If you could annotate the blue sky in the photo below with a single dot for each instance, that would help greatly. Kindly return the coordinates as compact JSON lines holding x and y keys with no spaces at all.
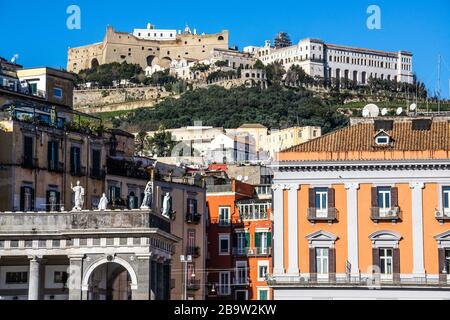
{"x":37,"y":31}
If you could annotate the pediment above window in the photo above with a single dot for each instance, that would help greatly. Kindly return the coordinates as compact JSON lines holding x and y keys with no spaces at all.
{"x":321,"y":239}
{"x":443,"y":239}
{"x":385,"y":238}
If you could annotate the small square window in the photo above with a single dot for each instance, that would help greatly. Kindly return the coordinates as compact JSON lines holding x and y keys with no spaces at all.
{"x":58,"y":93}
{"x":382,"y":140}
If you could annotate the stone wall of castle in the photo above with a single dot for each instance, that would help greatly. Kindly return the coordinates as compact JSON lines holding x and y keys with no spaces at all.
{"x":121,"y":46}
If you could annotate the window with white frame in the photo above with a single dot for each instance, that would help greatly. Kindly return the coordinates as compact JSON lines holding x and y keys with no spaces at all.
{"x":241,"y":272}
{"x":321,"y":201}
{"x":384,"y":199}
{"x":322,"y":260}
{"x":263,"y":270}
{"x":382,"y":140}
{"x":263,"y":294}
{"x":242,"y":242}
{"x":224,"y":244}
{"x":224,"y":216}
{"x":446,"y":200}
{"x":224,"y":283}
{"x":386,"y":260}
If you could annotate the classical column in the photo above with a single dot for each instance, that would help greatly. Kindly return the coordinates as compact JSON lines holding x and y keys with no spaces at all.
{"x":143,"y":290}
{"x":293,"y":229}
{"x":74,"y":281}
{"x":417,"y":225}
{"x":278,"y":226}
{"x":153,"y":281}
{"x":352,"y":228}
{"x":33,"y":281}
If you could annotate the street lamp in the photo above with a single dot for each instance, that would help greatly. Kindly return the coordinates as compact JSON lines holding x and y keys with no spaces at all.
{"x":185,"y":260}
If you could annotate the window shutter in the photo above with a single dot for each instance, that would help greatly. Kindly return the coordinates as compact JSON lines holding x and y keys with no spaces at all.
{"x":247,"y":240}
{"x":49,"y":155}
{"x":128,"y":203}
{"x":396,"y":264}
{"x":331,"y":198}
{"x":257,"y":239}
{"x":22,"y":199}
{"x":394,"y":196}
{"x":312,"y":264}
{"x":376,"y":257}
{"x":269,"y":239}
{"x":374,"y":197}
{"x":332,"y":264}
{"x":312,"y":198}
{"x":442,"y":276}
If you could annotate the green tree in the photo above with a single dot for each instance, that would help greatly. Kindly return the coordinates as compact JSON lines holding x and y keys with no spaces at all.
{"x":161,"y":143}
{"x":259,"y":65}
{"x":275,"y":72}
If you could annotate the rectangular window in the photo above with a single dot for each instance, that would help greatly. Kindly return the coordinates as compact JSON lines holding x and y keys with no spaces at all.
{"x":447,"y":260}
{"x":224,"y":216}
{"x":115,"y":196}
{"x":53,"y":154}
{"x":16,"y":277}
{"x":241,"y":272}
{"x":263,"y":294}
{"x":26,"y":199}
{"x":58,"y":93}
{"x":224,"y":283}
{"x":75,"y":161}
{"x":446,"y":199}
{"x":262,"y":242}
{"x":224,"y":244}
{"x":384,"y":199}
{"x":386,"y":261}
{"x":96,"y":159}
{"x":242,"y":242}
{"x":191,"y":242}
{"x":263,"y":270}
{"x":28,"y":151}
{"x":192,"y":206}
{"x":60,"y":277}
{"x":322,"y":260}
{"x":321,"y":201}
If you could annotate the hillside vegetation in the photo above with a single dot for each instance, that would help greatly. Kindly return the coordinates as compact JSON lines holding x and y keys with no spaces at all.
{"x":216,"y":106}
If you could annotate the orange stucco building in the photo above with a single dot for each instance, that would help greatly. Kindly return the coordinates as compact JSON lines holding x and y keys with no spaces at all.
{"x":365,"y":207}
{"x":239,"y":242}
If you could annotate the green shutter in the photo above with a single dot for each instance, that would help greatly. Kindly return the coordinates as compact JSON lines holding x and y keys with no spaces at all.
{"x":32,"y":199}
{"x":247,"y":240}
{"x":48,"y":201}
{"x":58,"y":201}
{"x":49,"y":155}
{"x":72,"y":160}
{"x":269,"y":239}
{"x":258,"y":239}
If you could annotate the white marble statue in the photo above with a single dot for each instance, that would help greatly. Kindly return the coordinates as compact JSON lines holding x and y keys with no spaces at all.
{"x":79,"y":196}
{"x":166,"y":205}
{"x":148,"y":195}
{"x":103,"y":203}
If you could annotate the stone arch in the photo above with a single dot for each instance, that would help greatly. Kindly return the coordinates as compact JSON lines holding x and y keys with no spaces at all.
{"x":165,"y":62}
{"x":150,"y":60}
{"x":94,"y":63}
{"x":220,"y":38}
{"x":104,"y":260}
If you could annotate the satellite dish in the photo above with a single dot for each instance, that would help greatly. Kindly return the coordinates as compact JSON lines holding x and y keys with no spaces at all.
{"x":239,"y":178}
{"x":384,"y":111}
{"x":413,"y":107}
{"x":399,"y":111}
{"x":371,"y":110}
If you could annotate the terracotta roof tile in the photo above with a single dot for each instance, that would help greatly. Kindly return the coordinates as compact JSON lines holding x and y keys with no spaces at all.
{"x":361,"y":137}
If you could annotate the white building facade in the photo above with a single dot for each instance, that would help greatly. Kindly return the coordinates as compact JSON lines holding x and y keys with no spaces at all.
{"x":328,"y":61}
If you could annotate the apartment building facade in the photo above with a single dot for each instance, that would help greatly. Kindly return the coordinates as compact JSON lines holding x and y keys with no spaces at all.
{"x":239,"y":242}
{"x":336,"y":62}
{"x":362,"y":213}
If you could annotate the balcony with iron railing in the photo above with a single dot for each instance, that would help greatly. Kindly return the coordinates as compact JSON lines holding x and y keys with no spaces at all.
{"x":252,"y":252}
{"x":54,"y":166}
{"x":78,"y":172}
{"x":29,"y":162}
{"x":327,"y":215}
{"x":193,"y":218}
{"x":193,"y":285}
{"x":385,"y":214}
{"x":193,"y":251}
{"x":98,"y":174}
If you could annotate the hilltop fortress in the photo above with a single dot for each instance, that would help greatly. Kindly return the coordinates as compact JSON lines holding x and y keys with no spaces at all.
{"x":146,"y":47}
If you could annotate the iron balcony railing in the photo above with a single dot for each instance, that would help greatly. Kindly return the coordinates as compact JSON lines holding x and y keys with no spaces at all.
{"x":54,"y":166}
{"x":193,"y":251}
{"x":29,"y":162}
{"x":375,"y":280}
{"x":329,"y":215}
{"x":98,"y":174}
{"x":194,"y":218}
{"x":78,"y":172}
{"x":442,"y":215}
{"x":382,"y":214}
{"x":193,"y":284}
{"x":255,"y":251}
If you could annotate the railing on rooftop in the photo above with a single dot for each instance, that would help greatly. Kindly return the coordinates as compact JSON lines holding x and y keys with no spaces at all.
{"x":219,"y":188}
